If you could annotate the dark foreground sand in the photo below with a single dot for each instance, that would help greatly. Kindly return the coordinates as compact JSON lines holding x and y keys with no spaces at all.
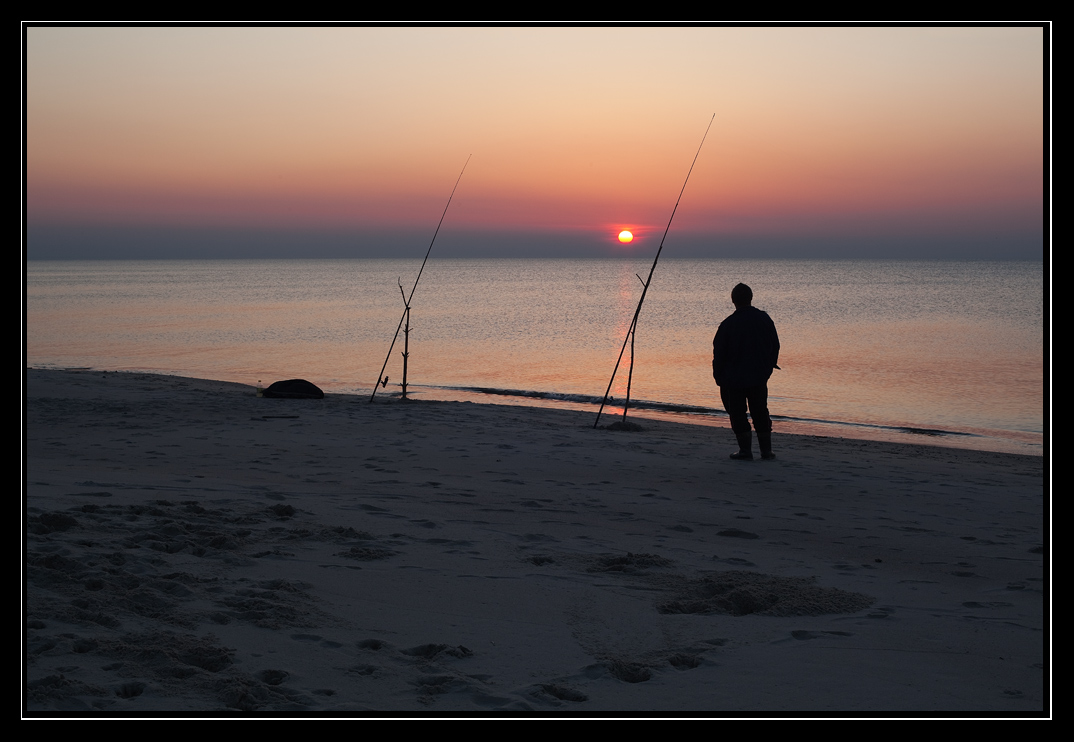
{"x":192,"y":548}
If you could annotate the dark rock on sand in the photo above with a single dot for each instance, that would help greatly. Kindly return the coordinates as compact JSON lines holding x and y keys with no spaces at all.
{"x":293,"y":389}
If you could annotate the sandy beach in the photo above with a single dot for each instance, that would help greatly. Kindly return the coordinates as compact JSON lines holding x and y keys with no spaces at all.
{"x":190,"y":548}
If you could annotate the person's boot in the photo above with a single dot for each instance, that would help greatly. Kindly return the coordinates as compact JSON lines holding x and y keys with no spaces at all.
{"x":764,"y":441}
{"x":745,"y":443}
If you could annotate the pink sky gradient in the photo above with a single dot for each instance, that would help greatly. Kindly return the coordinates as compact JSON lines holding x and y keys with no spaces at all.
{"x":841,"y":131}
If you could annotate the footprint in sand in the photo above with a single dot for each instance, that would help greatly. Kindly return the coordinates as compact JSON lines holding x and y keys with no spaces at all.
{"x":328,"y":643}
{"x":737,"y":533}
{"x":684,"y":661}
{"x":429,"y":651}
{"x":802,"y":635}
{"x":131,"y":689}
{"x":629,"y":672}
{"x":561,"y":693}
{"x":273,"y":677}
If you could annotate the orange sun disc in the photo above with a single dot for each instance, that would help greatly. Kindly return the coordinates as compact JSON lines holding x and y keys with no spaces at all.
{"x":625,"y":236}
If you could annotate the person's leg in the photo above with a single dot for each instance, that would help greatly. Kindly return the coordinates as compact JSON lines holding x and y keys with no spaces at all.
{"x":757,"y":398}
{"x":734,"y":401}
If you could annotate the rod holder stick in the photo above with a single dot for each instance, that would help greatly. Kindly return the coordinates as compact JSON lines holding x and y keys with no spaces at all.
{"x":645,"y":290}
{"x":406,"y":299}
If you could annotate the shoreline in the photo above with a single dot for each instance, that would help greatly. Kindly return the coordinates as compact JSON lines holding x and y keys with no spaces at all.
{"x":975,"y":439}
{"x":193,"y":548}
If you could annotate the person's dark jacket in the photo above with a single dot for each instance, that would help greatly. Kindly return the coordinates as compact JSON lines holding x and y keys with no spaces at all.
{"x":745,"y":349}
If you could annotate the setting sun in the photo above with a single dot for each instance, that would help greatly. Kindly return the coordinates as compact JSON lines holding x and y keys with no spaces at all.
{"x":625,"y":236}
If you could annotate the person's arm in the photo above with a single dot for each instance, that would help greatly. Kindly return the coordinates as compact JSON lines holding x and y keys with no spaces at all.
{"x":719,"y":346}
{"x":775,"y":344}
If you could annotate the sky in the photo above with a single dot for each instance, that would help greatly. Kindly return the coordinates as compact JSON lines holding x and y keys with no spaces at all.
{"x":841,"y":142}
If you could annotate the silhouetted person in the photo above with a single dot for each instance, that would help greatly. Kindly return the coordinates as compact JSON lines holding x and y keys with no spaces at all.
{"x":744,"y":352}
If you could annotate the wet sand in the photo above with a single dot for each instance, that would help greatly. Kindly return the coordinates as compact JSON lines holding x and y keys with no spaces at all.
{"x":190,"y":548}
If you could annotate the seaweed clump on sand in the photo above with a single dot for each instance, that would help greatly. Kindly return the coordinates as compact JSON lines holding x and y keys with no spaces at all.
{"x":742,"y":593}
{"x":629,"y":564}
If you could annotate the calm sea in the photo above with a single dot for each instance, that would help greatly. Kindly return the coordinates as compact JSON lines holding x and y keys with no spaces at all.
{"x":949,"y":353}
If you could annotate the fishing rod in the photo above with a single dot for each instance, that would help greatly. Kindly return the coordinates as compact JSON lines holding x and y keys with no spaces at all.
{"x":381,"y":379}
{"x":645,"y":288}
